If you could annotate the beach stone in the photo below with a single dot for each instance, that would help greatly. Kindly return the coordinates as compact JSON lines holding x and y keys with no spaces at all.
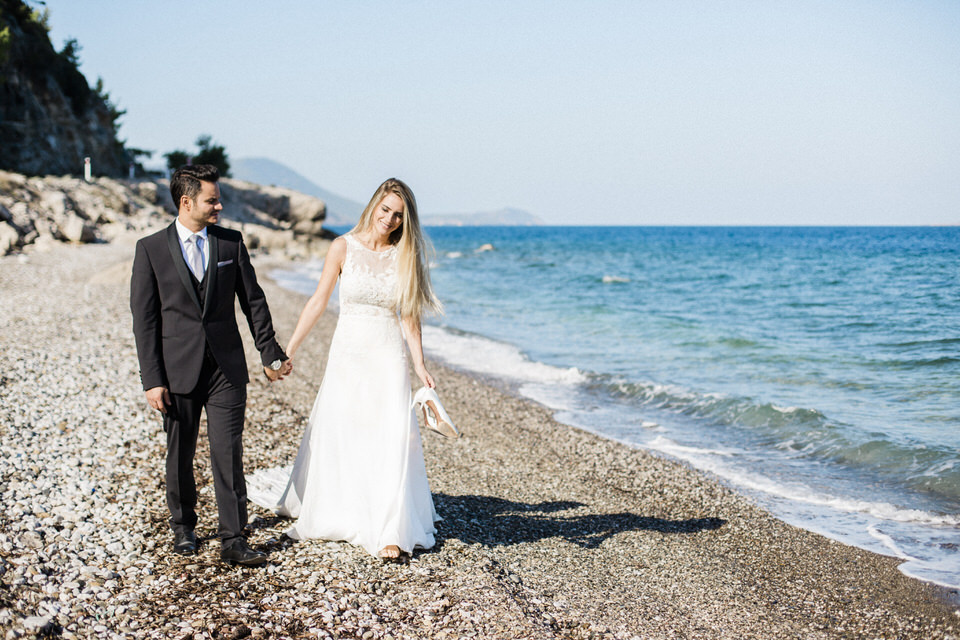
{"x":38,"y":624}
{"x":31,"y":540}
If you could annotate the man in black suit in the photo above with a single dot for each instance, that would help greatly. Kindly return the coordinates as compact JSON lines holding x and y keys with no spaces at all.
{"x":182,"y":292}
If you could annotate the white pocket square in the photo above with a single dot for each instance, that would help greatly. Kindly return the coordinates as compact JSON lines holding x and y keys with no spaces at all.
{"x":224,"y":263}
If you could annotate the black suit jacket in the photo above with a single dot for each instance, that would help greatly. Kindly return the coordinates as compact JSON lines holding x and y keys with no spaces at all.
{"x":171,"y":330}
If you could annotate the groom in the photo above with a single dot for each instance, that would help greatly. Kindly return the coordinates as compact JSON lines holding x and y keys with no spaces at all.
{"x":186,"y":279}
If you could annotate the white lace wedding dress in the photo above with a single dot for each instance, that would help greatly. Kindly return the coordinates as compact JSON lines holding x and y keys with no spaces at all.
{"x":359,"y":475}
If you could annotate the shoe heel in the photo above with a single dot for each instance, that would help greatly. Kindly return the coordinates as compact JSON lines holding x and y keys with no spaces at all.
{"x":434,"y":415}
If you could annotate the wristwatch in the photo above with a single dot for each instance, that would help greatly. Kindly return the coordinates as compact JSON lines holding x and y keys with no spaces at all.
{"x":275,"y":365}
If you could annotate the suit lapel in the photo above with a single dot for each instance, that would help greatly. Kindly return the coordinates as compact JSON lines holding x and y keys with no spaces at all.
{"x":173,"y":243}
{"x":214,"y":244}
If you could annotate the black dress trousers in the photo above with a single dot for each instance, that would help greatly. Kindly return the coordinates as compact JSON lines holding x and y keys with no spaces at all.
{"x":225,"y":405}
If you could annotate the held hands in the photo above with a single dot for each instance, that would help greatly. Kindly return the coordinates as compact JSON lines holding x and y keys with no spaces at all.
{"x":285,"y":369}
{"x":158,"y":398}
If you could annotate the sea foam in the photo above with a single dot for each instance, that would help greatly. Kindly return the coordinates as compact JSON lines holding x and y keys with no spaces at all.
{"x":489,"y":357}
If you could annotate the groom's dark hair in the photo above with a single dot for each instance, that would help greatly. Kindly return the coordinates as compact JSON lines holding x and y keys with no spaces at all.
{"x":186,"y":181}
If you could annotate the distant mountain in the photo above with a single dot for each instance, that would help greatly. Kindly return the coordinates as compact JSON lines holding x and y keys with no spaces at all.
{"x":505,"y":217}
{"x":340,"y":211}
{"x":344,"y":212}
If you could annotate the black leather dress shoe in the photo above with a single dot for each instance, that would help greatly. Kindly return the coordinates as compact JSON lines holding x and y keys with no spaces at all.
{"x":241,"y":553}
{"x":185,"y":543}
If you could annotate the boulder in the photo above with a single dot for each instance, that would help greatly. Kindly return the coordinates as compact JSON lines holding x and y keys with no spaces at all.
{"x":73,"y":228}
{"x":56,"y":203}
{"x":150,"y":191}
{"x":9,"y":238}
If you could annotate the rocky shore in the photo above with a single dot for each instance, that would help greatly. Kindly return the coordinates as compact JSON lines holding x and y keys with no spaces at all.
{"x":548,"y":532}
{"x":43,"y":212}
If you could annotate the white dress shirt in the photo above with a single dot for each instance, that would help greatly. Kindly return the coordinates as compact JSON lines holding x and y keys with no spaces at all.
{"x":183,"y":233}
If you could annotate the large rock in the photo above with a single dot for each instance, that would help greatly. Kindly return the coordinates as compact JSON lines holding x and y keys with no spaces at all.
{"x":251,"y":202}
{"x":73,"y":228}
{"x":275,"y":219}
{"x":9,"y":238}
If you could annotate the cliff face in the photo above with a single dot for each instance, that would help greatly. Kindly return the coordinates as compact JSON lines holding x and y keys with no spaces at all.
{"x":37,"y":212}
{"x":50,"y":118}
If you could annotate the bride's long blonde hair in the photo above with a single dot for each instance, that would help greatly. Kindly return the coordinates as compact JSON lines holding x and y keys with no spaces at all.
{"x":414,"y":291}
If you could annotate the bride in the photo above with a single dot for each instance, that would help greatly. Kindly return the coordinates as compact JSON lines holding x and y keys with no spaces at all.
{"x":359,"y":475}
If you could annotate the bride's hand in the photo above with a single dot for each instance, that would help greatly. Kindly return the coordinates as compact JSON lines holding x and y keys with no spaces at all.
{"x":425,"y":377}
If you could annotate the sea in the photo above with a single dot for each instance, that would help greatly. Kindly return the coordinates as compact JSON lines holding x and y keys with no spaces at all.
{"x":816,"y":370}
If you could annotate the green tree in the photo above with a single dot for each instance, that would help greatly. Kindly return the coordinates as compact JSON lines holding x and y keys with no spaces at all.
{"x":5,"y":41}
{"x":71,"y":51}
{"x":176,"y":159}
{"x":41,"y":18}
{"x":214,"y":154}
{"x":115,"y":112}
{"x":207,"y":153}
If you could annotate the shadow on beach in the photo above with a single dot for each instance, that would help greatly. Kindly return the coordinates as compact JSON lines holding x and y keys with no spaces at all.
{"x":497,"y":522}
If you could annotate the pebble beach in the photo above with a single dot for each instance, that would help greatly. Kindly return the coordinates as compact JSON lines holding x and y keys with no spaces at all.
{"x":547,"y":531}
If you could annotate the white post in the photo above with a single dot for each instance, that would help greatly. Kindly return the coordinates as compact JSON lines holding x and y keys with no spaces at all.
{"x":132,"y":170}
{"x":87,"y":170}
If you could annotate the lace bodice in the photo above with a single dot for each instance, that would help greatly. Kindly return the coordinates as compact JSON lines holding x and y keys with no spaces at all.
{"x":368,"y":281}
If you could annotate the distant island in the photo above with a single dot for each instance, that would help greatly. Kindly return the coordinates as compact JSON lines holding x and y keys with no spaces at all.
{"x":344,"y":212}
{"x":506,"y":217}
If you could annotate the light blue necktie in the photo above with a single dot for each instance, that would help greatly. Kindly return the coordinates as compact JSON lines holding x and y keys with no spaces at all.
{"x":194,"y":255}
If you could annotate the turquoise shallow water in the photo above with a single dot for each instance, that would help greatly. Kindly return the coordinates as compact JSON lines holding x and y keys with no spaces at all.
{"x":815,"y":369}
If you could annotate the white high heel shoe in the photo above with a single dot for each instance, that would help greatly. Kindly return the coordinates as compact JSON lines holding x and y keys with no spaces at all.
{"x":434,"y":415}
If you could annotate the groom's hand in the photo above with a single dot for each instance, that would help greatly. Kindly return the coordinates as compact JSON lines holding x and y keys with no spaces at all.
{"x":158,"y":398}
{"x":284,"y":370}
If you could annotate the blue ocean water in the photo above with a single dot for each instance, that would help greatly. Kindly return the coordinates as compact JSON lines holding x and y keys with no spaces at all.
{"x":814,"y":369}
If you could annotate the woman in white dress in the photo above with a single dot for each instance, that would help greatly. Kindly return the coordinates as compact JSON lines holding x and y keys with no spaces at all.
{"x":359,"y":475}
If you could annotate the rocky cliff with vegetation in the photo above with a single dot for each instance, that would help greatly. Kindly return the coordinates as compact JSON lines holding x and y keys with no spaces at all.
{"x":36,"y":213}
{"x":50,"y":117}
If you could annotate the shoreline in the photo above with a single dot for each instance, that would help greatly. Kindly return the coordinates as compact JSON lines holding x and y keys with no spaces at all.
{"x":549,"y":531}
{"x":849,"y":505}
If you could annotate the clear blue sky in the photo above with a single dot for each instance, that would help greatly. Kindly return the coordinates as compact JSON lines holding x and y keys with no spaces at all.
{"x":592,"y":112}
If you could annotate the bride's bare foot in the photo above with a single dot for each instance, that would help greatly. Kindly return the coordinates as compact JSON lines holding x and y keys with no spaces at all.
{"x":390,"y":552}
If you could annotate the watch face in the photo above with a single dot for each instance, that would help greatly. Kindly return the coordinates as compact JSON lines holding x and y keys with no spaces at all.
{"x":275,"y":365}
